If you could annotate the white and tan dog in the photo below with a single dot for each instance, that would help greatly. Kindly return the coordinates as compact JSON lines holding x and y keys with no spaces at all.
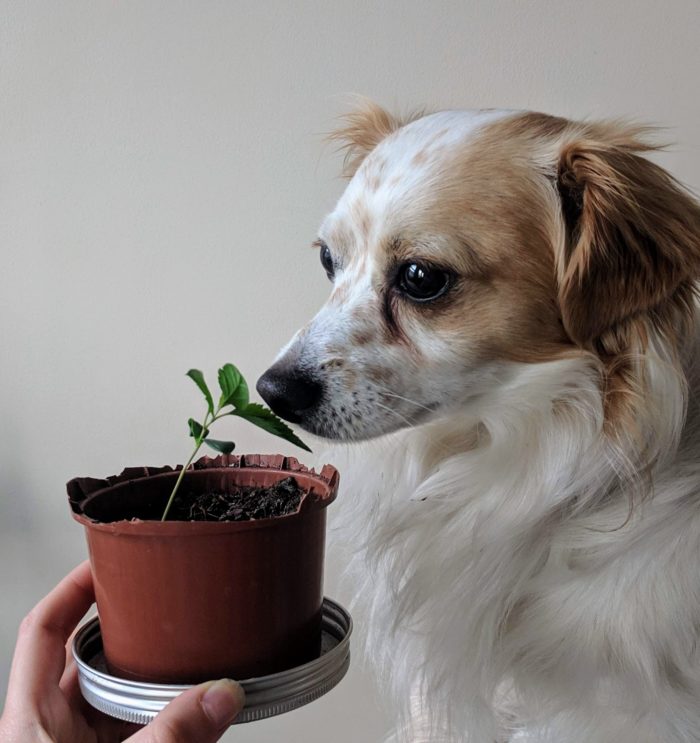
{"x":513,"y":314}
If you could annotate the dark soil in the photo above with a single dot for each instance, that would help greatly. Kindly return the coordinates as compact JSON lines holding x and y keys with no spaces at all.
{"x":242,"y":504}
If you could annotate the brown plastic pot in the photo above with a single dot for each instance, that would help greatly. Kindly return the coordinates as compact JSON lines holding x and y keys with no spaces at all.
{"x":186,"y":601}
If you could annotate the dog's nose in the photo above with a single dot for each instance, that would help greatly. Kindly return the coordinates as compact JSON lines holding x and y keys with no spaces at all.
{"x":289,"y":391}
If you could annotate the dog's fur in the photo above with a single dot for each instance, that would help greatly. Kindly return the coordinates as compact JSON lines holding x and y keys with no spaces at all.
{"x":528,"y":535}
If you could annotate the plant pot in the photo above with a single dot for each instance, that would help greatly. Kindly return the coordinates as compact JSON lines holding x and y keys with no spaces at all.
{"x":188,"y":601}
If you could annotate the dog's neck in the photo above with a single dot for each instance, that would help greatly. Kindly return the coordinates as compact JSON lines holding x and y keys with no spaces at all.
{"x":450,"y":523}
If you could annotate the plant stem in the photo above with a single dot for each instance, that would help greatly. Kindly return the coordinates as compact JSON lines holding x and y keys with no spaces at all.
{"x":179,"y":480}
{"x":199,"y":443}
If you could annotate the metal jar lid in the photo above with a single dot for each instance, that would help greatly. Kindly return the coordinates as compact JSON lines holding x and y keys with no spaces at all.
{"x":266,"y":696}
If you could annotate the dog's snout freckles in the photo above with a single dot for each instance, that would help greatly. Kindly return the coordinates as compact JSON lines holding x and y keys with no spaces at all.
{"x":369,"y":386}
{"x":353,"y":386}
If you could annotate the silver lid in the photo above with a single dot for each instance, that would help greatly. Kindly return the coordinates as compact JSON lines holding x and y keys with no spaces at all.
{"x":266,"y":696}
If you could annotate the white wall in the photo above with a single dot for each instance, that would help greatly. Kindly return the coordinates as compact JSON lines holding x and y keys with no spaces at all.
{"x":162,"y":172}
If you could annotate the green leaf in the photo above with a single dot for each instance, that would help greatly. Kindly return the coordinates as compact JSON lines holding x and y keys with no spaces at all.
{"x":198,"y":379}
{"x":264,"y":418}
{"x":197,"y":430}
{"x":234,"y":390}
{"x":225,"y":447}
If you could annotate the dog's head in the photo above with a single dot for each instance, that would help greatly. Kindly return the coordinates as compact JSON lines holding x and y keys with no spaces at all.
{"x":469,"y":242}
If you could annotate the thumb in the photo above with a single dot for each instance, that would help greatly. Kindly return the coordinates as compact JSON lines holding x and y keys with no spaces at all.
{"x":198,"y":715}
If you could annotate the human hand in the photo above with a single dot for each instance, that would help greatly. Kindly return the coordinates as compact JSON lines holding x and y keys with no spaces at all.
{"x":44,"y":702}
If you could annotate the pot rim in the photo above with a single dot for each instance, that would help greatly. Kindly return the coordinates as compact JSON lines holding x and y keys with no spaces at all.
{"x":82,"y":490}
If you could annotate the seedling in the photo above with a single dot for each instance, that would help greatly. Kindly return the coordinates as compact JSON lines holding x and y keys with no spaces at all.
{"x":234,"y":400}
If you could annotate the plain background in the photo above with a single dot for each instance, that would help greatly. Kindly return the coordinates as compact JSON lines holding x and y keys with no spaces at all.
{"x":163,"y":171}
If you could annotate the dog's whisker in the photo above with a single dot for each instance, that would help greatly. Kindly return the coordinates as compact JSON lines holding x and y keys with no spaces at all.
{"x":407,"y":421}
{"x":386,"y":392}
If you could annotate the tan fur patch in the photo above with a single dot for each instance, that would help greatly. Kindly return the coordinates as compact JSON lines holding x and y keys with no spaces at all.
{"x":350,"y":378}
{"x":437,"y":137}
{"x":362,"y":336}
{"x":379,"y":374}
{"x":374,"y":183}
{"x":492,"y":204}
{"x":362,"y":131}
{"x":360,"y":217}
{"x":420,"y":158}
{"x":340,"y":294}
{"x":363,"y":318}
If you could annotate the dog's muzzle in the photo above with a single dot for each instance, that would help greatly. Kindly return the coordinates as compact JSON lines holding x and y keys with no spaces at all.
{"x":290,"y":392}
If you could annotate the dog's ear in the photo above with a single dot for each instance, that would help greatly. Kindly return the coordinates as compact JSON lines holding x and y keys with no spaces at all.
{"x":633,"y":234}
{"x":362,"y":130}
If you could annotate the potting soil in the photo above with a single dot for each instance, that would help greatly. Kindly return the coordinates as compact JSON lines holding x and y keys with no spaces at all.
{"x":242,"y":504}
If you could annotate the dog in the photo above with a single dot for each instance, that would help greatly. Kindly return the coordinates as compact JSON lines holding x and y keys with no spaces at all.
{"x":512,"y":328}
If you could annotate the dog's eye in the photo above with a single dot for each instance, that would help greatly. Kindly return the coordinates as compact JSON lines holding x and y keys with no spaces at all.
{"x":421,"y":282}
{"x":327,"y":260}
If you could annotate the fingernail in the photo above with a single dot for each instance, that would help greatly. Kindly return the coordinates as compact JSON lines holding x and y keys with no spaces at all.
{"x":222,"y":701}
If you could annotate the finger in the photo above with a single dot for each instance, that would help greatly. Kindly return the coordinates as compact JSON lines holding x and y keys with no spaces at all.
{"x":40,"y":653}
{"x":201,"y":714}
{"x":69,"y":680}
{"x":70,"y":686}
{"x":108,"y":729}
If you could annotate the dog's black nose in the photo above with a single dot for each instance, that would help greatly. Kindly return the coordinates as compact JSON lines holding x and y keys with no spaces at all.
{"x":289,"y":391}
